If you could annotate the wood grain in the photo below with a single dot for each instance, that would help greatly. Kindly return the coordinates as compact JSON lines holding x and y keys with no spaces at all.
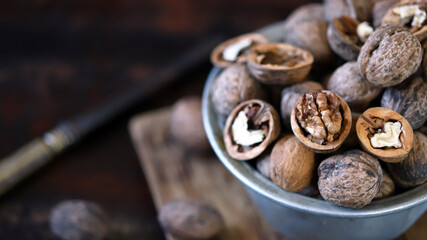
{"x":173,"y":172}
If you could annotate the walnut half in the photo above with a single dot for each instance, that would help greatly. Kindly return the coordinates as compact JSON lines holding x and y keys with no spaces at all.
{"x":321,"y":120}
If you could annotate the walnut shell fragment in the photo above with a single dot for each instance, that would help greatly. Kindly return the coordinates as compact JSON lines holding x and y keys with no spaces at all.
{"x":250,"y":128}
{"x":409,"y":99}
{"x":191,"y":219}
{"x":290,"y":96}
{"x":351,"y":179}
{"x":233,"y":86}
{"x":279,"y":63}
{"x":373,"y":122}
{"x":321,"y":121}
{"x":343,"y":38}
{"x":390,"y":55}
{"x":417,"y":25}
{"x":347,"y":82}
{"x":412,"y":171}
{"x":387,"y":188}
{"x":291,"y":164}
{"x":237,"y":49}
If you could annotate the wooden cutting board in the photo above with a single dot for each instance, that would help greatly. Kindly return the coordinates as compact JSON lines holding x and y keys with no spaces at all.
{"x":173,"y":172}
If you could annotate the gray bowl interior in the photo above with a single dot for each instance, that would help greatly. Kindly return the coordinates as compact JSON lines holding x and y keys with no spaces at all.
{"x":258,"y":183}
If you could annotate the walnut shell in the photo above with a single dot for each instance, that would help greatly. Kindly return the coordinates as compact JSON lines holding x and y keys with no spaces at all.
{"x":380,"y":9}
{"x":265,"y":117}
{"x":413,"y":170}
{"x":408,"y":99}
{"x":233,"y":86}
{"x":186,"y":123}
{"x":290,"y":96}
{"x":390,"y":55}
{"x":357,"y":9}
{"x":190,"y":219}
{"x":343,"y":38}
{"x":387,"y":187}
{"x":347,"y":82}
{"x":394,"y":19}
{"x":326,"y":146}
{"x":311,"y":36}
{"x":279,"y":63}
{"x":351,"y":179}
{"x":78,"y":219}
{"x":307,"y":12}
{"x":217,"y":54}
{"x":372,"y":120}
{"x":291,"y":164}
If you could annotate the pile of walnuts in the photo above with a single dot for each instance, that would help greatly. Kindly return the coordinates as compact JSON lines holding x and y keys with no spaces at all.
{"x":353,"y":100}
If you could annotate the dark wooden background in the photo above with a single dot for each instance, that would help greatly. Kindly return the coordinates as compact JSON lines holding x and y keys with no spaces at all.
{"x":61,"y":58}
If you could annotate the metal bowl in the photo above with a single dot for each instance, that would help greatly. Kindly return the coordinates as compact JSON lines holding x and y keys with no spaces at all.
{"x":300,"y":217}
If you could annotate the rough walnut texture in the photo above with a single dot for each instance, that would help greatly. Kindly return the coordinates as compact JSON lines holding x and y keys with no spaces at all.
{"x":190,"y":219}
{"x":311,"y":36}
{"x":319,"y":114}
{"x":413,"y":170}
{"x":79,"y":220}
{"x":186,"y":123}
{"x":351,"y":179}
{"x":290,"y":96}
{"x":291,"y":164}
{"x":409,"y":99}
{"x":389,"y":56}
{"x":387,"y":187}
{"x":233,"y":86}
{"x":347,"y":82}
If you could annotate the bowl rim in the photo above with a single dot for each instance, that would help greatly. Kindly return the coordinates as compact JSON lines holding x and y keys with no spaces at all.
{"x":260,"y":184}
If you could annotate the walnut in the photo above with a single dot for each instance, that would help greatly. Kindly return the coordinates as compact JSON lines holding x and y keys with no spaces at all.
{"x":186,"y":123}
{"x":357,"y":9}
{"x":321,"y":120}
{"x":390,"y":56}
{"x":343,"y":37}
{"x":351,"y":179}
{"x":291,"y":164}
{"x":233,"y":86}
{"x":373,"y":123}
{"x":191,"y":219}
{"x":412,"y":171}
{"x":235,"y":50}
{"x":387,"y":187}
{"x":78,"y":219}
{"x":380,"y":9}
{"x":311,"y":36}
{"x":279,"y":63}
{"x":347,"y":82}
{"x":410,"y":15}
{"x":290,"y":96}
{"x":409,"y":99}
{"x":262,"y":128}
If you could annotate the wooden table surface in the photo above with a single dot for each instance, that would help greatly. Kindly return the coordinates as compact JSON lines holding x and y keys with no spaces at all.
{"x":61,"y":58}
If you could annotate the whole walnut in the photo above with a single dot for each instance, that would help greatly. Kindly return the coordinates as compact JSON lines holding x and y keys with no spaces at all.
{"x":307,"y":12}
{"x":390,"y":55}
{"x":351,"y":179}
{"x":409,"y":99}
{"x":191,"y":219}
{"x":233,"y":86}
{"x":311,"y":36}
{"x":387,"y":187}
{"x":347,"y":82}
{"x":79,"y":220}
{"x":290,"y":96}
{"x":186,"y":123}
{"x":413,"y":170}
{"x":291,"y":164}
